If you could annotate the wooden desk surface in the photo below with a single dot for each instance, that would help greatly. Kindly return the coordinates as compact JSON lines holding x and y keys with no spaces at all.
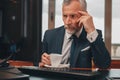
{"x":27,"y":63}
{"x":20,"y":63}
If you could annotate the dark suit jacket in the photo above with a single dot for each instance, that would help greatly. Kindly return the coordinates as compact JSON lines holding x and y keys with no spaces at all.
{"x":85,"y":51}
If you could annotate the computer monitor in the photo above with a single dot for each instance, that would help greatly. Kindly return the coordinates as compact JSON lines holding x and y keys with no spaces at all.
{"x":1,"y":22}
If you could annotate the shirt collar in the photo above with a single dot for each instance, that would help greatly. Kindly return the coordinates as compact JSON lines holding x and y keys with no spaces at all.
{"x":67,"y":35}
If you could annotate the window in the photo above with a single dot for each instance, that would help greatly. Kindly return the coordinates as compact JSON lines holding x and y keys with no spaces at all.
{"x":44,"y":16}
{"x":58,"y":15}
{"x":97,"y":11}
{"x":115,"y":29}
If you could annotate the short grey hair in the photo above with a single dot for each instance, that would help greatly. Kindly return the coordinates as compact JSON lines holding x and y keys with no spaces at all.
{"x":82,"y":2}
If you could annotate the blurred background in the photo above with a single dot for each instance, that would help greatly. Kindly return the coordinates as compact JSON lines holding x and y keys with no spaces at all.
{"x":23,"y":23}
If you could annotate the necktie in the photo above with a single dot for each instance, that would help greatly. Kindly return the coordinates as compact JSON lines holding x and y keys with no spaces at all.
{"x":73,"y":47}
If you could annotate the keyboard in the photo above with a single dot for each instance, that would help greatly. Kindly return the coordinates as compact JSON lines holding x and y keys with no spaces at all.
{"x":59,"y":72}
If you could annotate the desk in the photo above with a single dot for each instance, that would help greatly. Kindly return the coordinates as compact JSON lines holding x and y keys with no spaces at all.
{"x":111,"y":74}
{"x":20,"y":63}
{"x":12,"y":73}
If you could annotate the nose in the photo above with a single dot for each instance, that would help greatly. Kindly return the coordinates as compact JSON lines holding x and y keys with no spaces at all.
{"x":68,"y":21}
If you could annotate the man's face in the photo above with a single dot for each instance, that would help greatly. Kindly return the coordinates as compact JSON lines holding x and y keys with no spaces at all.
{"x":70,"y":16}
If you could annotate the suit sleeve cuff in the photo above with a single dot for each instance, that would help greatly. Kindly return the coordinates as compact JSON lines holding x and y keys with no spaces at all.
{"x":92,"y":36}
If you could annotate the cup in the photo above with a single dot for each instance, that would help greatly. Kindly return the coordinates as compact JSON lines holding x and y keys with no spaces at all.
{"x":55,"y":59}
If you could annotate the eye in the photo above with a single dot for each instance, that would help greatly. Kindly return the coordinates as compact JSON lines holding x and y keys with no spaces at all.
{"x":65,"y":16}
{"x":72,"y":16}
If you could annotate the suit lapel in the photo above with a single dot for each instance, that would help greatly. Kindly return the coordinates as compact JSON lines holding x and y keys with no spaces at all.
{"x":60,"y":39}
{"x":76,"y":54}
{"x":81,"y":43}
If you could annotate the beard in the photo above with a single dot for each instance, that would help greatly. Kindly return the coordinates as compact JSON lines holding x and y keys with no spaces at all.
{"x":70,"y":29}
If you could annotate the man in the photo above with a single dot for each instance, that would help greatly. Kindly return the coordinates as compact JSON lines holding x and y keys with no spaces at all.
{"x":88,"y":44}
